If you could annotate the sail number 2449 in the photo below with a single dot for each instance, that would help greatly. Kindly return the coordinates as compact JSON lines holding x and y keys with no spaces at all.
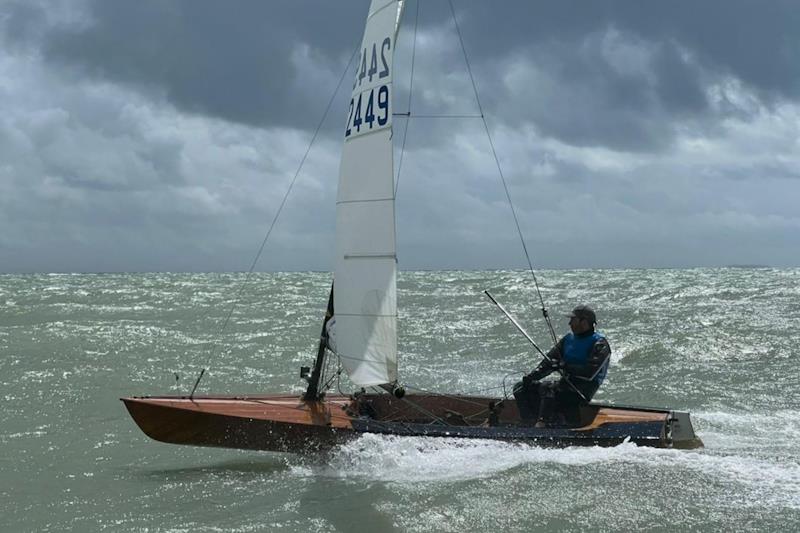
{"x":370,"y":108}
{"x":362,"y":110}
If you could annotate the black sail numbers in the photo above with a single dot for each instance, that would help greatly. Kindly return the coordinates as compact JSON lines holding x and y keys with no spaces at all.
{"x":369,"y":108}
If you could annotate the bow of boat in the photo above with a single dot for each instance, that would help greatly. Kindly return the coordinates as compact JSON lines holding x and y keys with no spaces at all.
{"x":271,"y":422}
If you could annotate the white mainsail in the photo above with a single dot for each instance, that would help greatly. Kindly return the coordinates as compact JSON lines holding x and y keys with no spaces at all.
{"x":365,"y":292}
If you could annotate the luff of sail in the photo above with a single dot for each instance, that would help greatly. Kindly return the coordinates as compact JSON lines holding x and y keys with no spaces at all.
{"x":365,"y":333}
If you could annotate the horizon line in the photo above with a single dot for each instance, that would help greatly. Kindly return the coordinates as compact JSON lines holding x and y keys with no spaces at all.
{"x":317,"y":271}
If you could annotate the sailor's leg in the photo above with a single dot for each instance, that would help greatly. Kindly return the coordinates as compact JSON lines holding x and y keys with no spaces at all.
{"x":527,"y":396}
{"x":569,"y":402}
{"x":548,"y":402}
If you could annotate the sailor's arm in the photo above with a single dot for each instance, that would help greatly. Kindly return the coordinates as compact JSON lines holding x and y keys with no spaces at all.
{"x":599,"y":356}
{"x":546,"y":368}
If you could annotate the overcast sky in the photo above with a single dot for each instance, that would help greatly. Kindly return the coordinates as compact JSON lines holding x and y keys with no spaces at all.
{"x":162,"y":135}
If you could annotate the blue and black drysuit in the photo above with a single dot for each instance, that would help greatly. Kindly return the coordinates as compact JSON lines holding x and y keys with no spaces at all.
{"x":584,"y":360}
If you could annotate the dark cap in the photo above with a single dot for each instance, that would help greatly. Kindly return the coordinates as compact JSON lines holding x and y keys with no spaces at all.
{"x":584,"y":311}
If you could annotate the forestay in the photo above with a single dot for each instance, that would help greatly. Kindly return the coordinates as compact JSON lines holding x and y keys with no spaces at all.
{"x":365,"y":335}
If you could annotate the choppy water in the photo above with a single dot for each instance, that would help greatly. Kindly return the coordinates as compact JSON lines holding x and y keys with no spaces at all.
{"x":719,"y":342}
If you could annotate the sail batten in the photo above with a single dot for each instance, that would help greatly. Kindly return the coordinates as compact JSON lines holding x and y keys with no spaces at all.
{"x":365,"y":333}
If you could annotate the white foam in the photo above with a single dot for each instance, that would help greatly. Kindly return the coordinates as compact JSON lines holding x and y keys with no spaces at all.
{"x":414,"y":459}
{"x":409,"y":459}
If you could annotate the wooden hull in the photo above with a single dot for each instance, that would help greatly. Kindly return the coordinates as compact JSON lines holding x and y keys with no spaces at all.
{"x":289,"y":424}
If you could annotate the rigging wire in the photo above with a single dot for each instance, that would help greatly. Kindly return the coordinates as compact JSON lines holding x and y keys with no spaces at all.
{"x":274,"y":220}
{"x":410,"y":116}
{"x":545,"y":314}
{"x":410,"y":93}
{"x":419,"y":408}
{"x":326,"y":381}
{"x":460,"y":395}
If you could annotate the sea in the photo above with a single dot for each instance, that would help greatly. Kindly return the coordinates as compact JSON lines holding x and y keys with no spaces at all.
{"x":721,"y":343}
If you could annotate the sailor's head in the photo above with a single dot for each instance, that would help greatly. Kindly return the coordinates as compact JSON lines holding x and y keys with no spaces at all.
{"x":582,"y":319}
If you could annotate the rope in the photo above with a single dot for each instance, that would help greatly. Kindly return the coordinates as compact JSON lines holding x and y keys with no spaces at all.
{"x":272,"y":225}
{"x":502,"y":177}
{"x":335,"y":377}
{"x":410,"y":93}
{"x":421,"y":410}
{"x":483,"y":410}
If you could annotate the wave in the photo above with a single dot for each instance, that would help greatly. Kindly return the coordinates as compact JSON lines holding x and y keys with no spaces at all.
{"x":409,"y":460}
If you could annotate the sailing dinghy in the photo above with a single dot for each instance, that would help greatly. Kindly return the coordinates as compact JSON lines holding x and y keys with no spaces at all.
{"x":363,"y":334}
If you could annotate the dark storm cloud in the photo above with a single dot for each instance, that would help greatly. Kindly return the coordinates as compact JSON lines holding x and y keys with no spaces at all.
{"x":232,"y":61}
{"x":21,"y":22}
{"x":583,"y":93}
{"x":757,"y":42}
{"x":236,"y":61}
{"x":583,"y":97}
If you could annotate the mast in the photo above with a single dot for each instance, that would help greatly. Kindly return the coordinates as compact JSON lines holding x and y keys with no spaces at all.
{"x":312,"y":392}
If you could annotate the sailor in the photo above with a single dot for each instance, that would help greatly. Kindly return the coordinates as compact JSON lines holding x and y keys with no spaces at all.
{"x":581,"y":357}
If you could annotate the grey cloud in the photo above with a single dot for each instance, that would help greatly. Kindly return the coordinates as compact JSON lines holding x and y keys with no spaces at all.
{"x":230,"y":61}
{"x":22,"y":24}
{"x":97,"y":177}
{"x":162,"y":136}
{"x":755,"y":41}
{"x":586,"y":103}
{"x":581,"y":96}
{"x":237,"y":63}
